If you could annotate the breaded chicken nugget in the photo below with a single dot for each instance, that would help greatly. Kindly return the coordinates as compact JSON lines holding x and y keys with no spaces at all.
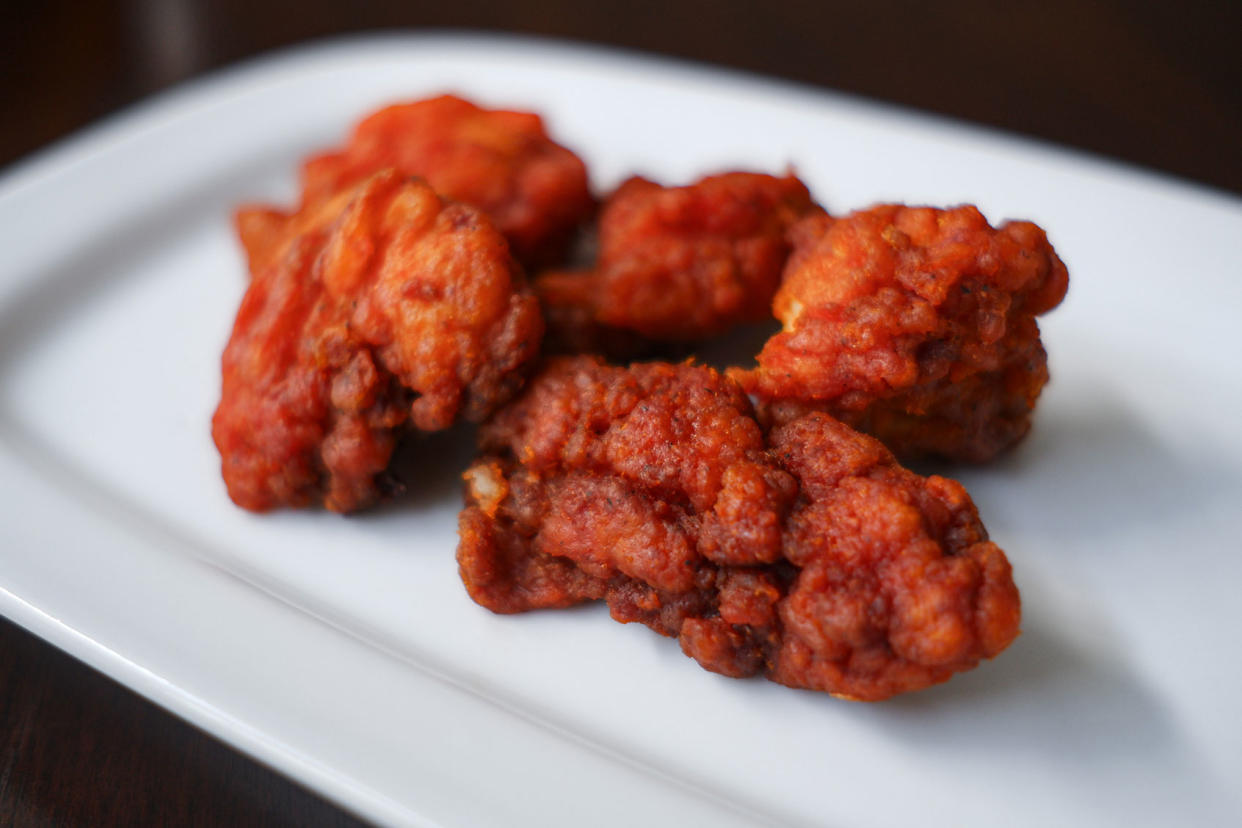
{"x":534,"y":190}
{"x":807,"y":555}
{"x":401,"y":309}
{"x":915,"y":325}
{"x":677,"y":264}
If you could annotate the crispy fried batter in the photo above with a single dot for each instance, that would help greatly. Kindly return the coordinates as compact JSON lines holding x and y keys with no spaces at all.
{"x":916,"y":325}
{"x":677,"y":264}
{"x":399,"y":308}
{"x":808,"y":556}
{"x":533,"y":189}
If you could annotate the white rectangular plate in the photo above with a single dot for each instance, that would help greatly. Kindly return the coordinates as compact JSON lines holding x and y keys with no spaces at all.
{"x":344,"y":650}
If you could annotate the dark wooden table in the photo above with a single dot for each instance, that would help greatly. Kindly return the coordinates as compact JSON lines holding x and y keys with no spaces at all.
{"x":1156,"y":84}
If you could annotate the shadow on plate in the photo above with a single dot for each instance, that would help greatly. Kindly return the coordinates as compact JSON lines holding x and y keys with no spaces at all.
{"x":430,"y":467}
{"x":1083,"y":473}
{"x":1046,"y":694}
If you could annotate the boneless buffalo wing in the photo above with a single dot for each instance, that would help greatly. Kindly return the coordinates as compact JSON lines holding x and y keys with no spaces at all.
{"x":806,"y":554}
{"x":534,"y":190}
{"x":677,"y":264}
{"x":391,"y":310}
{"x":916,"y":325}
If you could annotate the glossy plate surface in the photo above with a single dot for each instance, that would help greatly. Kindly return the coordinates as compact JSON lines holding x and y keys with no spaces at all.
{"x":344,"y":650}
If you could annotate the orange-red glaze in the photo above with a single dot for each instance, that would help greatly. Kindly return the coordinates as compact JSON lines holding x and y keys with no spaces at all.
{"x":678,"y":264}
{"x":807,"y":555}
{"x":916,"y":325}
{"x":534,"y":190}
{"x":397,"y":309}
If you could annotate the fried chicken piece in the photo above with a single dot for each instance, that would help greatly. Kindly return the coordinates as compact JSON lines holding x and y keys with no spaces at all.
{"x":534,"y":190}
{"x":677,"y":264}
{"x":915,"y":325}
{"x":402,"y":310}
{"x":808,"y":556}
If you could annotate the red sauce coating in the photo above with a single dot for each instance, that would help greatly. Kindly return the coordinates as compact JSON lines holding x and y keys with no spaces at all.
{"x":399,"y":309}
{"x":916,"y":325}
{"x":534,"y":190}
{"x":807,"y":555}
{"x":679,"y":264}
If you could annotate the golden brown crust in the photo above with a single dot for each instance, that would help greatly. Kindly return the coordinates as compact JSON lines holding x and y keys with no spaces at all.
{"x":807,"y":555}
